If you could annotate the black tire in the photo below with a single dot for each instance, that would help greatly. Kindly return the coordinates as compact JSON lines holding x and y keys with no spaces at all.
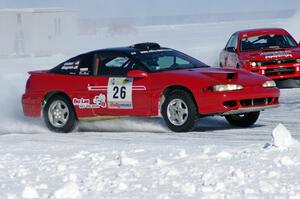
{"x":243,"y":120}
{"x":191,"y":116}
{"x":71,"y":121}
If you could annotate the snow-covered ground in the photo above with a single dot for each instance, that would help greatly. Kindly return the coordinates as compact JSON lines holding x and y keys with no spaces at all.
{"x":141,"y":158}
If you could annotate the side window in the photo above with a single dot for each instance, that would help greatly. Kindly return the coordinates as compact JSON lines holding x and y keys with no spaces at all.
{"x":229,"y":42}
{"x":114,"y":64}
{"x":180,"y":61}
{"x":86,"y":64}
{"x":233,"y":41}
{"x":169,"y":61}
{"x":166,"y":61}
{"x":80,"y":65}
{"x":117,"y":62}
{"x":69,"y":67}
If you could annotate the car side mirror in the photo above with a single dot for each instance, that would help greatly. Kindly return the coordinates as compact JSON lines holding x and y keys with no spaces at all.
{"x":137,"y":74}
{"x":231,"y":49}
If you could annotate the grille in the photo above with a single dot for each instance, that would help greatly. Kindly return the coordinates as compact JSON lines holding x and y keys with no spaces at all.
{"x":280,"y":71}
{"x":278,"y":62}
{"x":251,"y":102}
{"x":255,"y":102}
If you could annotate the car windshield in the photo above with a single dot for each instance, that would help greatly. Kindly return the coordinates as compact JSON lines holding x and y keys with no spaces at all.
{"x":167,"y":59}
{"x":267,"y":42}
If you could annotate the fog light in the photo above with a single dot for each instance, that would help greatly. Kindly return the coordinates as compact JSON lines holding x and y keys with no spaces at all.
{"x":253,"y":64}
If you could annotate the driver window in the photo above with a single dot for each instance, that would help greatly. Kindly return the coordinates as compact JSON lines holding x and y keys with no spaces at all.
{"x":166,"y":61}
{"x":117,"y":62}
{"x":114,"y":64}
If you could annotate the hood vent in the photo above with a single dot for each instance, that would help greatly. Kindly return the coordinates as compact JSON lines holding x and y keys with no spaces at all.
{"x":225,"y":75}
{"x":231,"y":76}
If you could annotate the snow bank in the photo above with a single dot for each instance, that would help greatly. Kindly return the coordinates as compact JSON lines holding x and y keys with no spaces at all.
{"x":30,"y":192}
{"x":282,"y":137}
{"x":68,"y":191}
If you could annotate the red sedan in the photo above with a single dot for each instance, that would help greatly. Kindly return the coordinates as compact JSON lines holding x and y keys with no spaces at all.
{"x":271,"y":52}
{"x":145,"y":80}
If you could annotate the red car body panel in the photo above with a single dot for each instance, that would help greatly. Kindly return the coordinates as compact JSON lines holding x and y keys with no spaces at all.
{"x":283,"y":63}
{"x":147,"y":92}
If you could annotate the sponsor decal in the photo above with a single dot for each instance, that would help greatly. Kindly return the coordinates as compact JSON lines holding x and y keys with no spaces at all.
{"x":84,"y":71}
{"x":122,"y":105}
{"x":151,"y":51}
{"x":274,"y":55}
{"x":119,"y":93}
{"x":99,"y":101}
{"x":70,"y":65}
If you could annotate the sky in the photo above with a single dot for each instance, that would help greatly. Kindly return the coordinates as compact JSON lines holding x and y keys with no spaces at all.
{"x":134,"y":8}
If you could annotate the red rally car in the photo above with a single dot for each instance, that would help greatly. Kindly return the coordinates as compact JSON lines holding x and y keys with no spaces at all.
{"x":271,"y":52}
{"x":145,"y":80}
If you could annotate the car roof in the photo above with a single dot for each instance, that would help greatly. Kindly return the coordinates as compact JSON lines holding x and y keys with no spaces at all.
{"x":130,"y":49}
{"x":261,"y":31}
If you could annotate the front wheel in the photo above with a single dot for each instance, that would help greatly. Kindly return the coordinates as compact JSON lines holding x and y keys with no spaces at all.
{"x":59,"y":115}
{"x":179,"y":111}
{"x":243,"y":120}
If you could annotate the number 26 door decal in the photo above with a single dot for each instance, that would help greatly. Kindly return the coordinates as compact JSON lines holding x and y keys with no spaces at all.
{"x":119,"y":93}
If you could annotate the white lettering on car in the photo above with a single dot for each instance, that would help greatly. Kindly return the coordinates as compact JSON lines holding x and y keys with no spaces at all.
{"x":99,"y":101}
{"x":274,"y":55}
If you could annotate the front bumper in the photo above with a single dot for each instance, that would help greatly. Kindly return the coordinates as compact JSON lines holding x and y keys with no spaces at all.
{"x":249,"y":99}
{"x":286,"y":71}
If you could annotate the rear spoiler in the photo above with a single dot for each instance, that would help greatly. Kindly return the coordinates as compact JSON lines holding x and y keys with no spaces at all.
{"x":37,"y":72}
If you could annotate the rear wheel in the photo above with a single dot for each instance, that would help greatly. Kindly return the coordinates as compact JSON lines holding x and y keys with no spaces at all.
{"x":59,"y":115}
{"x":243,"y":120}
{"x":179,"y":111}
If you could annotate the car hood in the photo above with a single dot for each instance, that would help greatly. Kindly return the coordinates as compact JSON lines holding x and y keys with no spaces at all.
{"x":214,"y":76}
{"x":276,"y":54}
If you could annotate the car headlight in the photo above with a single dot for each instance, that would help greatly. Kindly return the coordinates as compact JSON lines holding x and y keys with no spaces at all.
{"x":227,"y":87}
{"x":298,"y":60}
{"x":269,"y":84}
